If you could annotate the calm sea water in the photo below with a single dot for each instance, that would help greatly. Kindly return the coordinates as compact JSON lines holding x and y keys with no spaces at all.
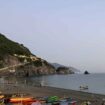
{"x":95,"y":82}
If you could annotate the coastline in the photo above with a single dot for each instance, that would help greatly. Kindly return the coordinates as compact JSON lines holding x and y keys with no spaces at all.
{"x":79,"y":96}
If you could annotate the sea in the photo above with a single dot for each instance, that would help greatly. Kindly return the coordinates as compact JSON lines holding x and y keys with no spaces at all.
{"x":95,"y":82}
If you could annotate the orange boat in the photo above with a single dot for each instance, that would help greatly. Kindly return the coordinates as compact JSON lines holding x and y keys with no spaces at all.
{"x":21,"y":99}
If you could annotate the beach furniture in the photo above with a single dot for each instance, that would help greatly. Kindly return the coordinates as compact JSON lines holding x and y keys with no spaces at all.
{"x":42,"y":100}
{"x":67,"y":101}
{"x":36,"y":103}
{"x":56,"y":103}
{"x":52,"y":99}
{"x":73,"y":103}
{"x":1,"y":96}
{"x":63,"y":102}
{"x":1,"y":99}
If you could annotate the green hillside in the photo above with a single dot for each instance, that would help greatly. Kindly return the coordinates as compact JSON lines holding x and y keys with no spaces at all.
{"x":14,"y":56}
{"x":8,"y":47}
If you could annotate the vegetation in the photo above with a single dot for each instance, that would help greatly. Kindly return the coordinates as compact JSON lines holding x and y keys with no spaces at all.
{"x":62,"y":68}
{"x":8,"y":47}
{"x":37,"y":63}
{"x":27,"y":64}
{"x":48,"y":64}
{"x":1,"y":65}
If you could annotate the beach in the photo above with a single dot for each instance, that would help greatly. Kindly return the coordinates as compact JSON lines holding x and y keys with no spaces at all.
{"x":79,"y":96}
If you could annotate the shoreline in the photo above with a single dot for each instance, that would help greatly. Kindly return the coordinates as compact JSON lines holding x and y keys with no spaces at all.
{"x":77,"y":90}
{"x":33,"y":91}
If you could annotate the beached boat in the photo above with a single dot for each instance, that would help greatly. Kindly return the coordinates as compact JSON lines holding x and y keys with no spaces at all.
{"x":21,"y":99}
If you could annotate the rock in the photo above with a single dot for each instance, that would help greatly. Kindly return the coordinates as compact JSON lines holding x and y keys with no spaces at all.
{"x":16,"y":59}
{"x":86,"y":72}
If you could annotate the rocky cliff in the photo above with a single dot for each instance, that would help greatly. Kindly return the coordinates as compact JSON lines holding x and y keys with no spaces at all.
{"x":16,"y":59}
{"x":62,"y":69}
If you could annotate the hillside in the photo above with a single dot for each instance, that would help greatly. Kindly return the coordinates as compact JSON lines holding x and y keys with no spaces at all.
{"x":9,"y":47}
{"x":16,"y":59}
{"x":60,"y":67}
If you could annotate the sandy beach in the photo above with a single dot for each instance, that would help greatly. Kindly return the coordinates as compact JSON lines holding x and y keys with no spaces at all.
{"x":79,"y":96}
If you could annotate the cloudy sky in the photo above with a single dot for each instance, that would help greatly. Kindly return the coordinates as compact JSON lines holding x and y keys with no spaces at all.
{"x":69,"y":32}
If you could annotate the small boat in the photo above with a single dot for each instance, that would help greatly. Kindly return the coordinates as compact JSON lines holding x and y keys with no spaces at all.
{"x":83,"y":87}
{"x":21,"y":99}
{"x":16,"y":98}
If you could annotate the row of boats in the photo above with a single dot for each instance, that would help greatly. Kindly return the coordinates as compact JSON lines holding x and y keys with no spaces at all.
{"x":26,"y":100}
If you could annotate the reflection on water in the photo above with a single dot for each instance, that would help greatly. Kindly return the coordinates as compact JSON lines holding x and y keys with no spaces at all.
{"x":95,"y":82}
{"x":21,"y":81}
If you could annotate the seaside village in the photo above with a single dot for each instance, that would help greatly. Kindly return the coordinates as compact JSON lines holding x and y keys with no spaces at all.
{"x":24,"y":99}
{"x":19,"y":98}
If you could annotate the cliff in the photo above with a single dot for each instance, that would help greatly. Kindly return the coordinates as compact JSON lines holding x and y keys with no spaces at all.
{"x":16,"y":59}
{"x":62,"y":69}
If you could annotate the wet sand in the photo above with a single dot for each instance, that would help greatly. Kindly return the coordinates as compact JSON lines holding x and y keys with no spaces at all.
{"x":79,"y":96}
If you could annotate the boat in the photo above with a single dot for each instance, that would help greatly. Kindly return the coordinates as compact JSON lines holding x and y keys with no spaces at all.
{"x":83,"y":87}
{"x":21,"y":98}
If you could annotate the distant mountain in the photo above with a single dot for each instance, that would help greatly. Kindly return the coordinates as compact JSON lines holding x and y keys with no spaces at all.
{"x":74,"y":69}
{"x":56,"y":65}
{"x":16,"y":59}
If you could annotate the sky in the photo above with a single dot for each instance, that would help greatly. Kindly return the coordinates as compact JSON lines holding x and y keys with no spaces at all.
{"x":68,"y":32}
